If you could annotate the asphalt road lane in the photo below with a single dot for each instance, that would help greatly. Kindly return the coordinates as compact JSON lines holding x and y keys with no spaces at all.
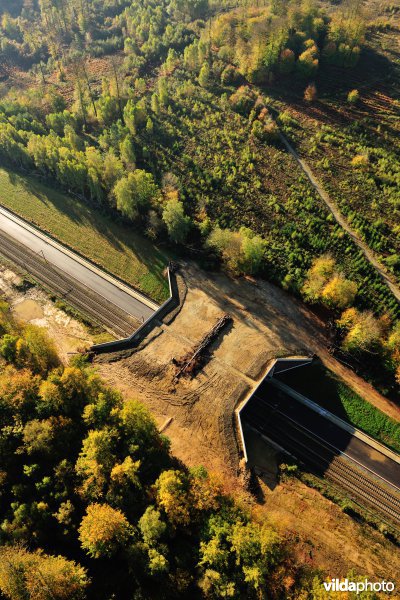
{"x":70,"y":265}
{"x":340,"y":439}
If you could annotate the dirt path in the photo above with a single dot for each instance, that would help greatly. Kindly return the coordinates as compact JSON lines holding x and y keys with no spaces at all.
{"x":369,"y":255}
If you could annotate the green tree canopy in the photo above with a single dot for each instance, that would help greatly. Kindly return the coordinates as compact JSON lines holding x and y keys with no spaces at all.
{"x":178,"y":224}
{"x":134,"y":192}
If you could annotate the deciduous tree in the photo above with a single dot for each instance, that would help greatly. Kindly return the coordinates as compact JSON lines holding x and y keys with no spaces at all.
{"x":134,"y":192}
{"x":103,"y":530}
{"x":38,"y":576}
{"x":173,"y":497}
{"x":177,"y":223}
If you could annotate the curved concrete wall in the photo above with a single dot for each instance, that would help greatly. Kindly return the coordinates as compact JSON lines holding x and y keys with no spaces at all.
{"x":136,"y":337}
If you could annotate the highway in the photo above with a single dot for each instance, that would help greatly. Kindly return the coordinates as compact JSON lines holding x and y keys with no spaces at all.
{"x":18,"y":238}
{"x":367,"y":475}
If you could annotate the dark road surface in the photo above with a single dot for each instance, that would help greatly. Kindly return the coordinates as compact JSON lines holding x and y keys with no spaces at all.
{"x":276,"y":402}
{"x":108,"y":288}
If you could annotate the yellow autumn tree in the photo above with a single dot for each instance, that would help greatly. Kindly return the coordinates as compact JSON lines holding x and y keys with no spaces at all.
{"x":18,"y":388}
{"x":310,"y":93}
{"x":95,"y":463}
{"x":36,"y":351}
{"x":37,"y":576}
{"x":324,"y":283}
{"x":126,"y":473}
{"x":318,"y":275}
{"x":103,"y":530}
{"x":363,"y":331}
{"x":205,"y":489}
{"x":172,"y":488}
{"x":393,"y":343}
{"x":339,"y":292}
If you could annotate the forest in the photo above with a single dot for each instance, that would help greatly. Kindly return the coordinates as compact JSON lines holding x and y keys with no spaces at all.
{"x":123,"y":140}
{"x":168,"y":117}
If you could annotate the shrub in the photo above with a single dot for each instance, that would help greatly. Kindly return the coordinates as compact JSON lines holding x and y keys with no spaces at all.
{"x":325,"y":284}
{"x":363,"y":331}
{"x":242,"y":251}
{"x":36,"y":351}
{"x":243,"y":100}
{"x":360,"y":161}
{"x":353,"y":97}
{"x":286,"y":61}
{"x":230,"y":75}
{"x":310,"y":93}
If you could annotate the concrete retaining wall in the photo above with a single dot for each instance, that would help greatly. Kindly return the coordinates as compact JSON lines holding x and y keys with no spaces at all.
{"x":133,"y":340}
{"x":291,"y":363}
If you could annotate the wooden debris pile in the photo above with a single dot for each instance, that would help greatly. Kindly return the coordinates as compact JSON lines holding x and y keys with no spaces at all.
{"x":190,"y":363}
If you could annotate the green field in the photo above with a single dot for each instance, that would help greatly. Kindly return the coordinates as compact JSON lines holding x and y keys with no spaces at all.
{"x":330,"y":392}
{"x":118,"y":249}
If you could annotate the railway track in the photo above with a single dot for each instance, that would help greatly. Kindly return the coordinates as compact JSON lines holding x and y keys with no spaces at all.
{"x":360,"y":485}
{"x":92,"y":305}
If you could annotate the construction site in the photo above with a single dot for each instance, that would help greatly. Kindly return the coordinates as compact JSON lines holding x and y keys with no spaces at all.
{"x":197,"y":366}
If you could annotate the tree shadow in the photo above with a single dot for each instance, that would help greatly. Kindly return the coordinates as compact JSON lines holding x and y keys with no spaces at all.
{"x":275,"y":312}
{"x":333,"y":83}
{"x":109,"y":225}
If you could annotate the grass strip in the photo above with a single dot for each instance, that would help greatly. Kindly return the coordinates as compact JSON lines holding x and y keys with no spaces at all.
{"x":115,"y":247}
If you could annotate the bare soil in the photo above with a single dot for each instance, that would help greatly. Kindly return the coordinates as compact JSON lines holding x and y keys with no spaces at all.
{"x":33,"y":306}
{"x":267,"y":323}
{"x":324,"y":537}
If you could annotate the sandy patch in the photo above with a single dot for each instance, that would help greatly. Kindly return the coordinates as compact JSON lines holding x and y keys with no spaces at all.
{"x":28,"y":310}
{"x":32,"y":305}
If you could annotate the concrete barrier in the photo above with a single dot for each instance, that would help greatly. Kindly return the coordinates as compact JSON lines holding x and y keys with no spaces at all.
{"x":133,"y":340}
{"x":296,"y":362}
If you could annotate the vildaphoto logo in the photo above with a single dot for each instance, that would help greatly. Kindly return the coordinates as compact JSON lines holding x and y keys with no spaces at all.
{"x":345,"y":585}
